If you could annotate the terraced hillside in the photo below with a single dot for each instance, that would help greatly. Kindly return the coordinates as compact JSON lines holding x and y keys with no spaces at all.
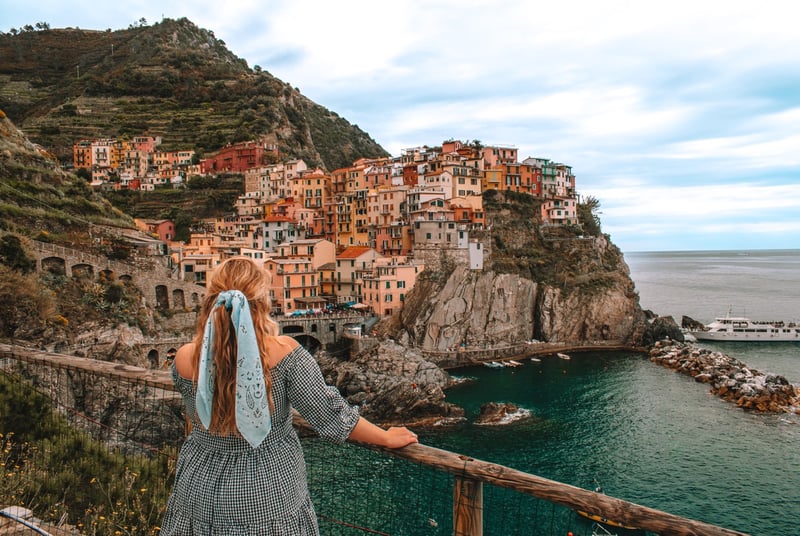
{"x":171,"y":79}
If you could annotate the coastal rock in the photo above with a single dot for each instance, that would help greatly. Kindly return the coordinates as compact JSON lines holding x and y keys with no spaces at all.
{"x":484,"y":309}
{"x":471,"y":309}
{"x":393,"y":384}
{"x":499,"y":413}
{"x":688,"y":322}
{"x":729,"y":378}
{"x":665,"y":327}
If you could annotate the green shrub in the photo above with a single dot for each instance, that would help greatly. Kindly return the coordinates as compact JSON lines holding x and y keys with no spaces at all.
{"x":54,"y":469}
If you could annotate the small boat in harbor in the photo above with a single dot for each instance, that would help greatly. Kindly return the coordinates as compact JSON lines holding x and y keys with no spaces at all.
{"x":563,"y":356}
{"x":493,"y":364}
{"x":512,"y":363}
{"x":740,"y":328}
{"x":535,"y":360}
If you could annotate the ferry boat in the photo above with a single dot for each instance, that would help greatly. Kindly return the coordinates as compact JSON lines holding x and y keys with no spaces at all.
{"x":739,"y":328}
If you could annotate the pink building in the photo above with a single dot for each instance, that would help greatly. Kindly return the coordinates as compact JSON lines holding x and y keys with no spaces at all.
{"x":295,"y":285}
{"x":384,"y":289}
{"x":163,"y":229}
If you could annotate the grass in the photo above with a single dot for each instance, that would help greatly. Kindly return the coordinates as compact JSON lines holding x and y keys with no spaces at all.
{"x":60,"y":473}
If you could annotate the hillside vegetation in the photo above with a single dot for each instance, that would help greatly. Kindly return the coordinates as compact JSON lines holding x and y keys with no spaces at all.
{"x":38,"y":199}
{"x":171,"y":79}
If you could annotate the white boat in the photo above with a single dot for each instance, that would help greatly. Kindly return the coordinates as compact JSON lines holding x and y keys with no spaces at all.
{"x":563,"y":356}
{"x":493,"y":364}
{"x":512,"y":363}
{"x":739,"y":328}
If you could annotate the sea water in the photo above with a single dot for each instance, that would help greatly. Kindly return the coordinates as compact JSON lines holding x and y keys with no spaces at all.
{"x":645,"y":433}
{"x":759,"y":284}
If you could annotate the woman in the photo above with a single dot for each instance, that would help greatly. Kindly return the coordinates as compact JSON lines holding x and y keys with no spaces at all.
{"x":241,"y":469}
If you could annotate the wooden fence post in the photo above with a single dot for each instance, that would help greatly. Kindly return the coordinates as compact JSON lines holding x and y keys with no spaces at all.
{"x":467,"y":507}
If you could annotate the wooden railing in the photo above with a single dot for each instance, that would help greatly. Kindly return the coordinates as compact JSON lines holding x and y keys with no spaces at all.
{"x":469,"y":474}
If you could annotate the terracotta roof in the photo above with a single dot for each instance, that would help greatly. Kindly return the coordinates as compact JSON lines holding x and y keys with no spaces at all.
{"x":352,"y":252}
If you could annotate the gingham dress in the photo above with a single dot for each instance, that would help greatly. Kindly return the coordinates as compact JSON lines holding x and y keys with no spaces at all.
{"x":223,"y":486}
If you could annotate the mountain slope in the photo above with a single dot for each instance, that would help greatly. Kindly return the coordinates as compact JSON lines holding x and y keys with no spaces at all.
{"x":38,"y":199}
{"x":171,"y":79}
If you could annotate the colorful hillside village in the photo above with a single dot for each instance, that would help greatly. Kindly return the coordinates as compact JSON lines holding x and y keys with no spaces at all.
{"x":356,"y":237}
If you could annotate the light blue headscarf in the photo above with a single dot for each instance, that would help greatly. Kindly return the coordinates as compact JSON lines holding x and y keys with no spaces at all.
{"x":252,"y":405}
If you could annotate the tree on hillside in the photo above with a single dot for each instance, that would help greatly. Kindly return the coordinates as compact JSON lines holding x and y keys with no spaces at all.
{"x":13,"y":255}
{"x":588,"y":215}
{"x":25,"y":304}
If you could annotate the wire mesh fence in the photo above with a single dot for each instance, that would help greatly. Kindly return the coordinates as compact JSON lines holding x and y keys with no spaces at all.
{"x":90,"y":447}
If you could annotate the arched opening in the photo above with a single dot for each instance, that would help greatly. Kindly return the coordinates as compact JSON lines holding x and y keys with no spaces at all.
{"x":177,"y":299}
{"x":126,"y":278}
{"x":292,"y":330}
{"x":152,"y":358}
{"x":162,"y":298}
{"x":82,"y":271}
{"x":54,"y":265}
{"x":170,"y":358}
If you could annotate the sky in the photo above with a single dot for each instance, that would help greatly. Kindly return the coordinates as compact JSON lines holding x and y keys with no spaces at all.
{"x":680,"y":117}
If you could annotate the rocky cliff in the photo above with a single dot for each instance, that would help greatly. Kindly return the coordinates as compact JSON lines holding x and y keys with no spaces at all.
{"x":548,"y":284}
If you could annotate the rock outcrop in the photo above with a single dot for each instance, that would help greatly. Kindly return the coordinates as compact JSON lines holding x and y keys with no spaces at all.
{"x":475,"y":309}
{"x":664,"y":327}
{"x":729,"y":378}
{"x":688,"y":322}
{"x":496,"y":413}
{"x":393,"y":384}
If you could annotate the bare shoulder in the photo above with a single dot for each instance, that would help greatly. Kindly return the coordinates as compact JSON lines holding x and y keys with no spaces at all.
{"x":184,"y":362}
{"x":280,"y":347}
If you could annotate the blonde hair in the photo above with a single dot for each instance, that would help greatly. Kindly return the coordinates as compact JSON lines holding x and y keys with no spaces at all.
{"x":244,"y":275}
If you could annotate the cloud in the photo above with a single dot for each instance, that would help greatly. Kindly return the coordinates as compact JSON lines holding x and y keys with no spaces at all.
{"x":680,"y":117}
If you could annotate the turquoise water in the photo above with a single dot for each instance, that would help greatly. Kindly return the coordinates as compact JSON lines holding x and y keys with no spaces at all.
{"x":647,"y":434}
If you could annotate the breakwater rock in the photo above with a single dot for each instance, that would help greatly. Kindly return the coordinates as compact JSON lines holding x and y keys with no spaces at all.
{"x":501,"y":413}
{"x":729,"y":378}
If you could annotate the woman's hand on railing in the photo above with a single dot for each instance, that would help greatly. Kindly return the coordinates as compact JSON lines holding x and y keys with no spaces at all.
{"x":393,"y":438}
{"x":400,"y":436}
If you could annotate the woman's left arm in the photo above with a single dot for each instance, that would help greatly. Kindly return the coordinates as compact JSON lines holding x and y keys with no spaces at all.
{"x":393,"y":438}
